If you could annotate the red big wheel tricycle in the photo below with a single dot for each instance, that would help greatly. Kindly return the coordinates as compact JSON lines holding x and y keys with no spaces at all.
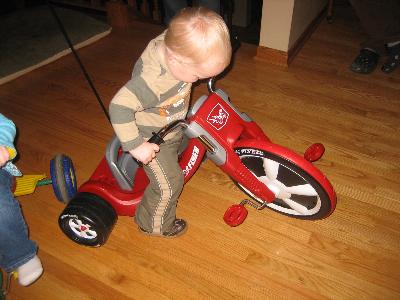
{"x":272,"y":175}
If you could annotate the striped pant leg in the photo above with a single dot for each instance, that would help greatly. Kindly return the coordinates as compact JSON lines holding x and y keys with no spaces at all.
{"x":157,"y":210}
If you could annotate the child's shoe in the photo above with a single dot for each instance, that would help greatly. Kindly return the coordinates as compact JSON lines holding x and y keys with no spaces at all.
{"x":30,"y":271}
{"x":179,"y":228}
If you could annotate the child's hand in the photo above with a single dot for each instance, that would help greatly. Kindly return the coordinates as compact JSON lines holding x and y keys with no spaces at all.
{"x":4,"y":155}
{"x":145,"y":152}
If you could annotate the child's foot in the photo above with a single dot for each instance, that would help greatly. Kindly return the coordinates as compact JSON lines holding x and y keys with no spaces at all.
{"x":179,"y":228}
{"x":393,"y":60}
{"x":30,"y":271}
{"x":365,"y":62}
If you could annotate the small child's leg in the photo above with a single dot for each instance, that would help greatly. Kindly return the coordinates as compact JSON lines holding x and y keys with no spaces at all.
{"x":15,"y":247}
{"x":156,"y":213}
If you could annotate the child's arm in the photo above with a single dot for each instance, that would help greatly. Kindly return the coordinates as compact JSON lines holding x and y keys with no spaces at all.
{"x":7,"y":149}
{"x":7,"y":135}
{"x":4,"y":156}
{"x":145,"y":152}
{"x":122,"y":111}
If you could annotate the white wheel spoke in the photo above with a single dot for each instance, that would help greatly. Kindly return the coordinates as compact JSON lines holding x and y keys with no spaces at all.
{"x":88,"y":234}
{"x":296,"y":206}
{"x":304,"y":190}
{"x":75,"y":223}
{"x":271,"y":168}
{"x":82,"y":230}
{"x":264,"y":179}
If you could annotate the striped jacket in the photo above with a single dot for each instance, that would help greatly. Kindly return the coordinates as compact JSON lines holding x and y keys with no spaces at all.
{"x":151,"y":99}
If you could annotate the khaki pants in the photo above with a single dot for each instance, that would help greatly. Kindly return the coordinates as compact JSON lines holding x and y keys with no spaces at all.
{"x":156,"y":211}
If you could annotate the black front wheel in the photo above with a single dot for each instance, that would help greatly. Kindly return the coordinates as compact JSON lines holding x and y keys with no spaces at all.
{"x":298,"y":194}
{"x":88,"y":220}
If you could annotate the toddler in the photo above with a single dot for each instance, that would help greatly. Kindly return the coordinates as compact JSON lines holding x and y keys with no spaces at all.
{"x":195,"y":46}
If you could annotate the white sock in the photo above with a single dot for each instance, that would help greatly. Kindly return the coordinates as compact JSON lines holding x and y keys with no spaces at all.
{"x":30,"y":271}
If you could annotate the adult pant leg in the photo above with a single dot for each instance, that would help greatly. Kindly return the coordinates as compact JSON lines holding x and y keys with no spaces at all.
{"x":156,"y":211}
{"x":15,"y":246}
{"x":171,"y":7}
{"x":381,"y":21}
{"x":211,"y":4}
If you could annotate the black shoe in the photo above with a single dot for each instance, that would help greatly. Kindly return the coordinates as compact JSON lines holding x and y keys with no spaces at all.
{"x":393,"y":61}
{"x":178,"y":228}
{"x":365,"y":62}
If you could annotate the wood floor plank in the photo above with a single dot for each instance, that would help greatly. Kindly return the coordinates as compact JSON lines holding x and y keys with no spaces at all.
{"x":353,"y":254}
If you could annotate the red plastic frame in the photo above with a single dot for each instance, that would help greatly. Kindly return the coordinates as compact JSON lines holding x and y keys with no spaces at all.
{"x":230,"y":130}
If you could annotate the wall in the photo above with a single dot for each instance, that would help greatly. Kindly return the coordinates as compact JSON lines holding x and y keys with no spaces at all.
{"x":276,"y":23}
{"x":284,"y":21}
{"x":304,"y":12}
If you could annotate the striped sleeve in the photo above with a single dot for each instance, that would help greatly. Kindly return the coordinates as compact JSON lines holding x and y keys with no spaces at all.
{"x":122,"y":110}
{"x":151,"y":99}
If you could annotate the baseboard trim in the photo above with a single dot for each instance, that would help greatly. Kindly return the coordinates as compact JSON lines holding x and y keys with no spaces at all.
{"x":272,"y":56}
{"x":282,"y":58}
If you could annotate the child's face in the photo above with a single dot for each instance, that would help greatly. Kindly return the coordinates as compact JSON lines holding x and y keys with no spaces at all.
{"x":191,"y":72}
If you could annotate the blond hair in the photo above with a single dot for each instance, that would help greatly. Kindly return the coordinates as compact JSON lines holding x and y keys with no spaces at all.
{"x":197,"y":34}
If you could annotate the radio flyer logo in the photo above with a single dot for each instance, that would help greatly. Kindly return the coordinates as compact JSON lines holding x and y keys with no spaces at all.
{"x":218,"y":117}
{"x":192,"y":161}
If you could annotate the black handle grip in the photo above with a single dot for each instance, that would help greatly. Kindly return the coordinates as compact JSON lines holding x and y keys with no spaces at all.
{"x":156,"y":139}
{"x":138,"y":162}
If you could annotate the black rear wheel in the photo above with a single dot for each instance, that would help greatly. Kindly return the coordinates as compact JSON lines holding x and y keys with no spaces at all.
{"x":299,"y":194}
{"x":88,"y":220}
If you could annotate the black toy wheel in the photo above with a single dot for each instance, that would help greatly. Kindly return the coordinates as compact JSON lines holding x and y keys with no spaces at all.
{"x":88,"y":220}
{"x":300,"y":195}
{"x":63,"y":178}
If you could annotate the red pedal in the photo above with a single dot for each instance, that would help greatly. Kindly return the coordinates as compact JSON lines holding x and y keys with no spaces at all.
{"x":314,"y":152}
{"x":235,"y":215}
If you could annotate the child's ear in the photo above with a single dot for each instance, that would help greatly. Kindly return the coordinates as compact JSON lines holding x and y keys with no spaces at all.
{"x":172,"y":58}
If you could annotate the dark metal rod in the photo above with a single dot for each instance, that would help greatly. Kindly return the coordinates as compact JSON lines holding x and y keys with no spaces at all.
{"x":171,"y":127}
{"x":210,"y":85}
{"x":78,"y":60}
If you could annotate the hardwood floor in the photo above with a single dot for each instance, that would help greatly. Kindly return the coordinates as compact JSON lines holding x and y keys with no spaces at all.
{"x":353,"y":254}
